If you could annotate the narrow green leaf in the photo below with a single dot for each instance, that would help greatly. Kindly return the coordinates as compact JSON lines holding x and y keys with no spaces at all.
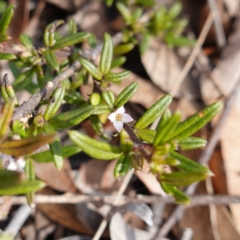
{"x":71,"y":118}
{"x":108,"y":98}
{"x":6,"y":117}
{"x":55,"y":102}
{"x":100,"y":109}
{"x":56,"y":151}
{"x":123,"y":48}
{"x":189,"y":165}
{"x":46,"y":156}
{"x":94,"y":148}
{"x":146,"y":134}
{"x":49,"y":33}
{"x":23,"y":80}
{"x":70,"y":40}
{"x":155,"y":111}
{"x":117,"y":62}
{"x":106,"y":54}
{"x":51,"y":59}
{"x":165,"y":131}
{"x":126,"y":94}
{"x":181,"y":178}
{"x":175,"y":10}
{"x":125,"y":12}
{"x":6,"y":19}
{"x":9,"y":178}
{"x":26,"y":40}
{"x":191,"y":143}
{"x":30,"y":175}
{"x":91,"y":68}
{"x":25,"y":146}
{"x":123,"y":166}
{"x":179,"y":196}
{"x":196,"y":122}
{"x":144,"y":43}
{"x":23,"y":187}
{"x":7,"y":56}
{"x":116,"y":77}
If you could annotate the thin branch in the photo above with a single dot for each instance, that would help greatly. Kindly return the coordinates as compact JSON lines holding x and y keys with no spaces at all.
{"x":69,"y":198}
{"x":27,"y":108}
{"x":221,"y":39}
{"x":193,"y":55}
{"x":120,"y":192}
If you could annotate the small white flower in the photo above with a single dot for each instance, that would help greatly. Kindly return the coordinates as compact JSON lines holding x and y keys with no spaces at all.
{"x":10,"y":164}
{"x":119,"y":117}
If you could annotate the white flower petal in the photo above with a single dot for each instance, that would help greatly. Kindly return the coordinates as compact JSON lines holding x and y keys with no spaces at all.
{"x":118,"y":125}
{"x":12,"y":166}
{"x":120,"y":110}
{"x":20,"y":164}
{"x":112,"y":117}
{"x":127,"y":118}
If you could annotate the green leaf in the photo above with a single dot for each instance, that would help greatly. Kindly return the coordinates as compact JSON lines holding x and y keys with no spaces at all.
{"x":23,"y":187}
{"x":30,"y":175}
{"x":196,"y":122}
{"x":100,"y":109}
{"x":56,"y":151}
{"x":126,"y":94}
{"x":70,"y":40}
{"x":155,"y":111}
{"x":71,"y":118}
{"x":95,"y":99}
{"x":181,"y":178}
{"x":123,"y":166}
{"x":46,"y":156}
{"x":9,"y":178}
{"x":94,"y":148}
{"x":189,"y":165}
{"x":123,"y":48}
{"x":91,"y":68}
{"x":144,"y":43}
{"x":23,"y":80}
{"x":116,"y":77}
{"x":49,"y":33}
{"x":179,"y":196}
{"x":51,"y":59}
{"x":191,"y":143}
{"x":165,"y":131}
{"x":117,"y":62}
{"x":108,"y":98}
{"x":7,"y":56}
{"x":6,"y":117}
{"x":146,"y":134}
{"x":6,"y":19}
{"x":55,"y":102}
{"x":26,"y":40}
{"x":125,"y":12}
{"x":175,"y":10}
{"x":106,"y":54}
{"x":25,"y":146}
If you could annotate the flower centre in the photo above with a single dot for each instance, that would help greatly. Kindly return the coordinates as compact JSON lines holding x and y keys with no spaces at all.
{"x":118,"y":117}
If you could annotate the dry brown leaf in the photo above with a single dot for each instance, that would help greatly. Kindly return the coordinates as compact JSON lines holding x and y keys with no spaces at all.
{"x":226,"y":75}
{"x":216,"y":165}
{"x":226,"y":227}
{"x":230,"y":136}
{"x":120,"y":230}
{"x":59,"y":180}
{"x":63,"y":214}
{"x":149,"y":180}
{"x":164,"y":67}
{"x":197,"y":218}
{"x":19,"y":21}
